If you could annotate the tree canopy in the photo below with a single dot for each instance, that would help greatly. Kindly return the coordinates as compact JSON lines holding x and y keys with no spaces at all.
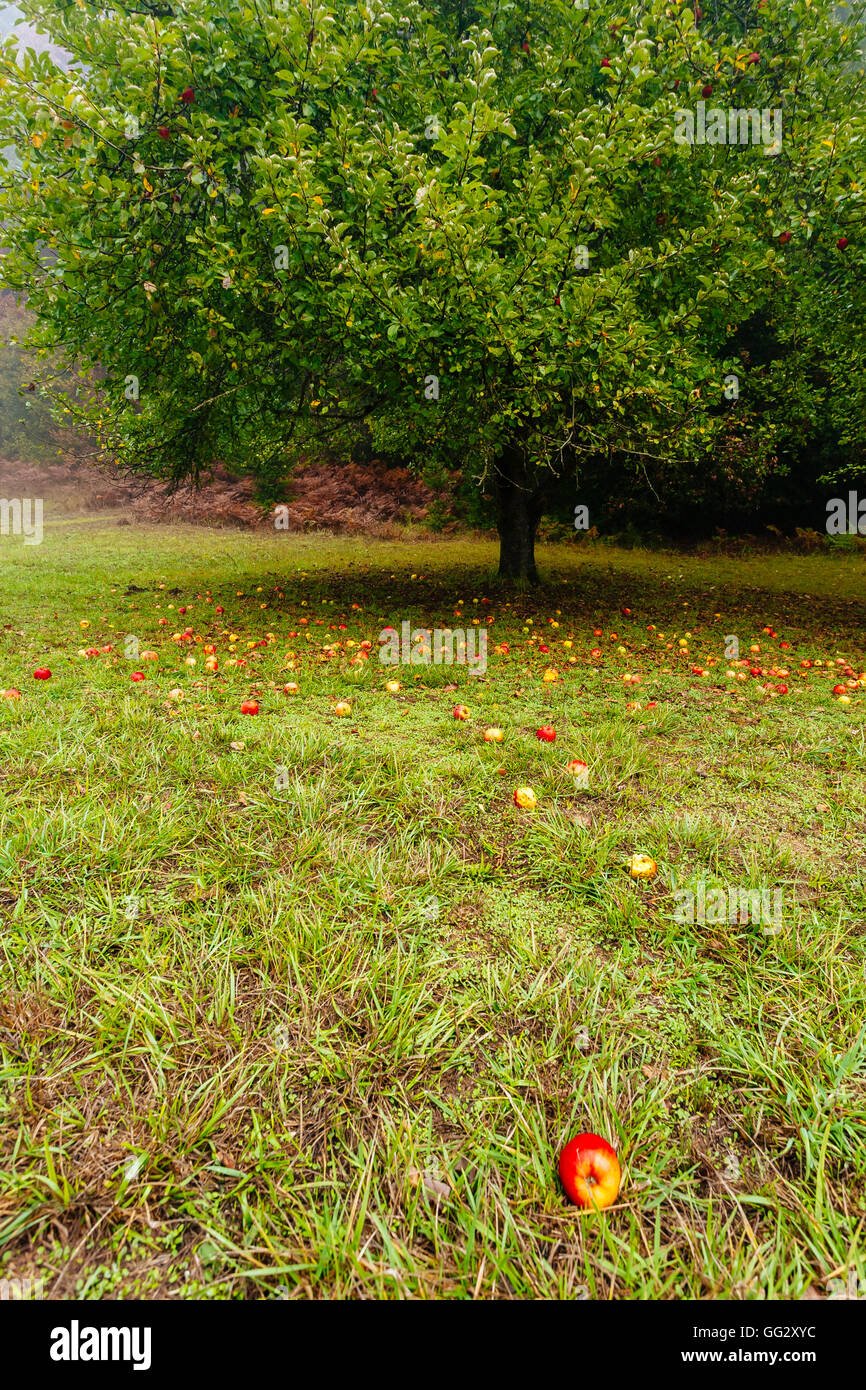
{"x":486,"y":230}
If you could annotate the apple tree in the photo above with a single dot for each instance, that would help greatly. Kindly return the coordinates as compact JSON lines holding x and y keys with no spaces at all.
{"x":506,"y":237}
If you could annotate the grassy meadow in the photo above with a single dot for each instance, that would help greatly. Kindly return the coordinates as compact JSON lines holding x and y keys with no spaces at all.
{"x":295,"y":1005}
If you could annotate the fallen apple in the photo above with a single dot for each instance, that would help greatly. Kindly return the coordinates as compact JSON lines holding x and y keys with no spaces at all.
{"x":546,"y":734}
{"x":525,"y":798}
{"x":249,"y":707}
{"x":460,"y":712}
{"x":493,"y":735}
{"x":589,"y":1171}
{"x":642,"y":866}
{"x":42,"y":673}
{"x":342,"y":708}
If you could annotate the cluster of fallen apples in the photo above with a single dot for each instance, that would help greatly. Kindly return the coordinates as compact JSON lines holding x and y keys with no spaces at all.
{"x":524,"y":797}
{"x":539,"y":638}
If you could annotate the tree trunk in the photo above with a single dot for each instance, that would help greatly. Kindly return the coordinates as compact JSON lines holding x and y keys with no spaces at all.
{"x":519,"y":501}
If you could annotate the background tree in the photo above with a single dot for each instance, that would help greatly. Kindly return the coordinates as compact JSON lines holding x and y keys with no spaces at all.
{"x":470,"y":226}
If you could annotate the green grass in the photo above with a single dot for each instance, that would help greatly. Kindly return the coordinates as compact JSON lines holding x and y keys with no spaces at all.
{"x":323,"y":1033}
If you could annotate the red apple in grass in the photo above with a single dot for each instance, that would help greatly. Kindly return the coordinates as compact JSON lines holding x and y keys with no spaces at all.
{"x":461,"y":712}
{"x":42,"y":673}
{"x":138,"y":676}
{"x":546,"y":734}
{"x":250,"y":707}
{"x":589,"y":1171}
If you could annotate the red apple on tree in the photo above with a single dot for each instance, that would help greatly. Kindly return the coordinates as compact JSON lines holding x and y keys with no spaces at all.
{"x":187,"y":96}
{"x":841,"y":243}
{"x":589,"y":1171}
